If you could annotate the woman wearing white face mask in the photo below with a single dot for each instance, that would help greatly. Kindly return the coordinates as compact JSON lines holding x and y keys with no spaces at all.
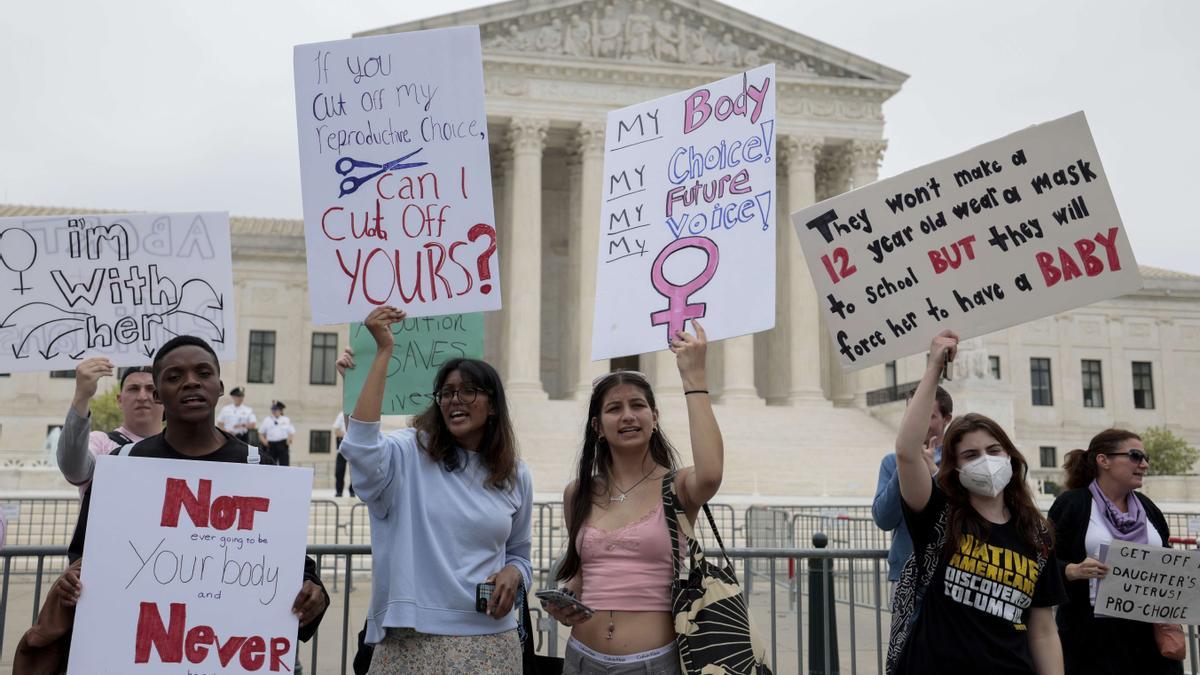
{"x":976,"y":595}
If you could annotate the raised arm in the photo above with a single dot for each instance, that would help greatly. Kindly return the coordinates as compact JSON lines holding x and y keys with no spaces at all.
{"x":701,"y":483}
{"x":915,"y":483}
{"x":74,"y":459}
{"x":370,"y":399}
{"x":369,"y":454}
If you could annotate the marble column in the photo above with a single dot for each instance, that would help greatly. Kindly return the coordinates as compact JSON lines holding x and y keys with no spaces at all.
{"x":802,"y":317}
{"x":493,"y":322}
{"x":522,"y":325}
{"x":738,"y":371}
{"x":865,"y":156}
{"x":582,"y":249}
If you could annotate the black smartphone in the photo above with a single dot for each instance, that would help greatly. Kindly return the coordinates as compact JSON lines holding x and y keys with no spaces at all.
{"x":483,"y":593}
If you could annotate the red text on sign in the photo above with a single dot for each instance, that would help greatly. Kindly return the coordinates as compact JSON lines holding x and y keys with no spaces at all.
{"x":204,"y":511}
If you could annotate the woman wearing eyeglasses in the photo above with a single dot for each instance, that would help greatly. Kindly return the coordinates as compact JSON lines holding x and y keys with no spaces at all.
{"x":1101,"y":505}
{"x":618,"y":559}
{"x":450,"y":506}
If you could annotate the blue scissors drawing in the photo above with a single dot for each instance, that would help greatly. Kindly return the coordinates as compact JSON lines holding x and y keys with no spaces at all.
{"x":350,"y":183}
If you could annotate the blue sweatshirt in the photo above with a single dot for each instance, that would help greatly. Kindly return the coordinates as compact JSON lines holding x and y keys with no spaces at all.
{"x":888,"y":514}
{"x":435,"y":534}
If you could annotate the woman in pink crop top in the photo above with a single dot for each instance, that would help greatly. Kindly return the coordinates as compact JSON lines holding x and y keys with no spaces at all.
{"x":618,"y":558}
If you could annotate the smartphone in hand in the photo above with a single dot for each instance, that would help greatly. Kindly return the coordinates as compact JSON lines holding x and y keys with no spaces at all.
{"x":556,"y":597}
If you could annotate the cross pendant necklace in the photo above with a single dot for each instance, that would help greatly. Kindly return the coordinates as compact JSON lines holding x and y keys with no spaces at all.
{"x":621,"y":497}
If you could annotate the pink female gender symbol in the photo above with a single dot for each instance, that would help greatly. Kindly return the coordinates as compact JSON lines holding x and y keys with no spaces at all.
{"x":678,"y":310}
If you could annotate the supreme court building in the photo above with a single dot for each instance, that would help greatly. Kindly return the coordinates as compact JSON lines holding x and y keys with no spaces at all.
{"x":553,"y":69}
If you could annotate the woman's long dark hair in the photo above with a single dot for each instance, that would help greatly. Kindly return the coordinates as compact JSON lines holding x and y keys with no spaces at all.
{"x":1080,"y":465}
{"x":963,"y":518}
{"x":595,"y":462}
{"x":498,"y":448}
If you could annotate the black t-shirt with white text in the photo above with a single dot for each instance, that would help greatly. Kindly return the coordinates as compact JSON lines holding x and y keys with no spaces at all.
{"x":973,"y":617}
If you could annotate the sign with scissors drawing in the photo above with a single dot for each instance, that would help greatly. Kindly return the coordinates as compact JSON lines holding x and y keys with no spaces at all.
{"x":687,"y":228}
{"x":112,"y":285}
{"x":396,"y":175}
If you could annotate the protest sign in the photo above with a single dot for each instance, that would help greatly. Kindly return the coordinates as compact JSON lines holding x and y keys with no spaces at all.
{"x":1013,"y":230}
{"x":191,"y":563}
{"x":395,"y":175}
{"x":687,"y":227}
{"x":112,"y":285}
{"x":1151,"y":584}
{"x":422,"y":346}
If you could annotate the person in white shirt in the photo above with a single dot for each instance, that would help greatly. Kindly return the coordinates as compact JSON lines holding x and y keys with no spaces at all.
{"x":278,"y":431}
{"x":237,"y":418}
{"x":339,"y":470}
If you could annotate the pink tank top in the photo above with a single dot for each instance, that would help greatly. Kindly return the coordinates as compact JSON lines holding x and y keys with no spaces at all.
{"x":628,"y":569}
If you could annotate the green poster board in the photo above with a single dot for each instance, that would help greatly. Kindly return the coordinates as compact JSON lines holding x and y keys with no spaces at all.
{"x":422,"y":346}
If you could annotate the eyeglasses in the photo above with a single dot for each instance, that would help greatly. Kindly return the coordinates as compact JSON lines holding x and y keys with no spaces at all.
{"x":465,"y":396}
{"x":1135,"y":456}
{"x":602,"y":378}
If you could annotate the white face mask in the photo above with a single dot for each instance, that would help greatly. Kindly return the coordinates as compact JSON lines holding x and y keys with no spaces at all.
{"x":986,"y":476}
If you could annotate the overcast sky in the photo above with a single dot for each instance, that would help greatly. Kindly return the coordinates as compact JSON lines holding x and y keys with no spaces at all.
{"x":165,"y":105}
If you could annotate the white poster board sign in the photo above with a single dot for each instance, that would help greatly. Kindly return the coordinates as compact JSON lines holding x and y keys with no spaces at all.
{"x":1014,"y":230}
{"x":396,"y":177}
{"x":191,"y":564}
{"x":1151,"y":584}
{"x":112,"y":285}
{"x":687,"y":226}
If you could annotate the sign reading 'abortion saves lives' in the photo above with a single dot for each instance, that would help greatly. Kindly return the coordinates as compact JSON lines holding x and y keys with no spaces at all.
{"x":112,"y":285}
{"x":1150,"y":583}
{"x":395,"y":174}
{"x":422,"y":346}
{"x":192,"y":564}
{"x":1011,"y":231}
{"x":687,"y":228}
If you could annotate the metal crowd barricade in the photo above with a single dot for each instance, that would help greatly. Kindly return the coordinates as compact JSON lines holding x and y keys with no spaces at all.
{"x":779,"y":609}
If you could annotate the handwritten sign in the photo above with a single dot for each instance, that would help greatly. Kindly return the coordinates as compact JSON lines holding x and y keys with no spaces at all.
{"x":1151,"y":584}
{"x":687,"y":226}
{"x":112,"y":285}
{"x":395,"y":174}
{"x":422,"y":346}
{"x":1013,"y":230}
{"x":191,"y":563}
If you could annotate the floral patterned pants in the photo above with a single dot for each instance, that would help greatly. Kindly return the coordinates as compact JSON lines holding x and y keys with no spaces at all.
{"x":404,"y":650}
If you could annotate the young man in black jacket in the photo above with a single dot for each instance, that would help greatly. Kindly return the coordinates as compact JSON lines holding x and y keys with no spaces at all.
{"x":187,"y":379}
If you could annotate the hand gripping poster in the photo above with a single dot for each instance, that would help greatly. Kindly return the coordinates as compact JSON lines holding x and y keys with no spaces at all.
{"x":687,"y":226}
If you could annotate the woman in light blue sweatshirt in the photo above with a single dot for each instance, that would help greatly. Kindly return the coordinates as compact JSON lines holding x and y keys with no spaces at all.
{"x":451,"y":506}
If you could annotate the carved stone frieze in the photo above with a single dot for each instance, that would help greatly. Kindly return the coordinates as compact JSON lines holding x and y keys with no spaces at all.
{"x":648,"y":31}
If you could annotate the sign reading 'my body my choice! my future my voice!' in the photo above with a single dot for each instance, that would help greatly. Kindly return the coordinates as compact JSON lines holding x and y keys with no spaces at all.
{"x":395,"y":174}
{"x":1013,"y":230}
{"x":687,"y":226}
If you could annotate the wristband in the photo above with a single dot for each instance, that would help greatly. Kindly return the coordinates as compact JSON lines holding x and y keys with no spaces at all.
{"x":695,"y":391}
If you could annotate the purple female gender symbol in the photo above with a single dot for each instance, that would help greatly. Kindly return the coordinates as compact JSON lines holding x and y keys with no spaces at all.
{"x":678,"y":310}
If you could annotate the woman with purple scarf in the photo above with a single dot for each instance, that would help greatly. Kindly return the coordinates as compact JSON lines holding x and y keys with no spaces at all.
{"x":1101,"y":506}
